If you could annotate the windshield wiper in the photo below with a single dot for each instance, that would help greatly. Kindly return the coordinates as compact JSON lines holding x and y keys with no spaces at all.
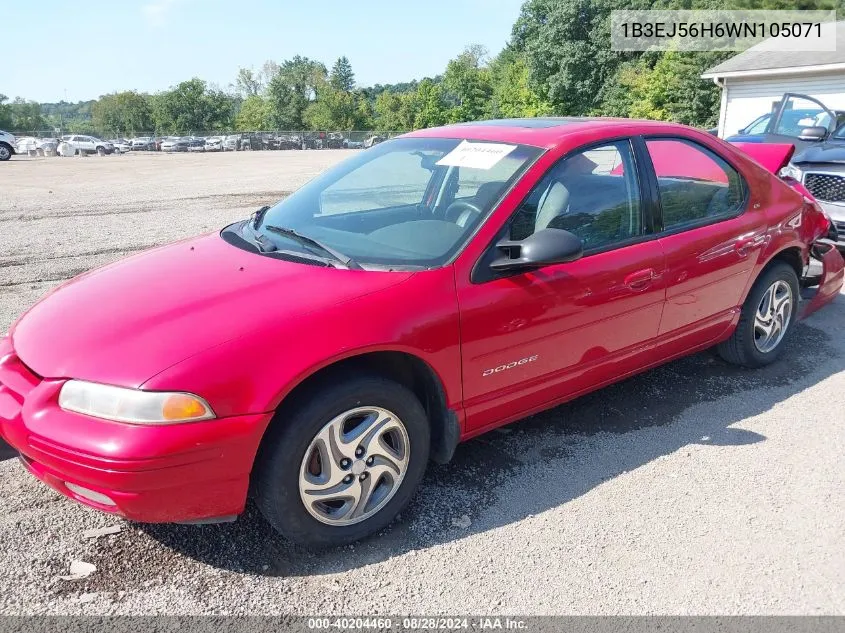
{"x":258,"y":215}
{"x":347,"y":261}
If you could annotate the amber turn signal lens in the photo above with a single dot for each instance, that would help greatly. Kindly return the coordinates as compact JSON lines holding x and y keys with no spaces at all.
{"x":180,"y":406}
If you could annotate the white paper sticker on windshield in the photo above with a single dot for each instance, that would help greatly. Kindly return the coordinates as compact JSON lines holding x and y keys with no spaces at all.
{"x":476,"y":155}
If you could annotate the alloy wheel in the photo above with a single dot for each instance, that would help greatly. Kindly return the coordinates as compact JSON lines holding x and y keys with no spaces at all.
{"x":773,"y":315}
{"x":354,"y":466}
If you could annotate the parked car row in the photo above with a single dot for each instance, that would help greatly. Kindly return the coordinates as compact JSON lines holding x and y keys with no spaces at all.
{"x":76,"y":144}
{"x":31,"y":146}
{"x":250,"y":141}
{"x":316,"y":140}
{"x":69,"y":145}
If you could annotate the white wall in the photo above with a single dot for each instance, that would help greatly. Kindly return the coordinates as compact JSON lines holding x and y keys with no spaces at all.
{"x":746,"y":99}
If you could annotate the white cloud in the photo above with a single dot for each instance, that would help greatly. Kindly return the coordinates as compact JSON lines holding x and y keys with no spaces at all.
{"x":156,"y":11}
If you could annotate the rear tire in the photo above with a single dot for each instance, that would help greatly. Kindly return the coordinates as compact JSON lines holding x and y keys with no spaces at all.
{"x":767,"y":319}
{"x":5,"y":151}
{"x":381,"y":455}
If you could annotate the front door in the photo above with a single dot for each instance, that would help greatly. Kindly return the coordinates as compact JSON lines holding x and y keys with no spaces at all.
{"x":794,"y":114}
{"x":535,"y":338}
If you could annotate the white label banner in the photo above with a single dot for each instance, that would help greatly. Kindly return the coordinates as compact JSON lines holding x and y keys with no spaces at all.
{"x":476,"y":155}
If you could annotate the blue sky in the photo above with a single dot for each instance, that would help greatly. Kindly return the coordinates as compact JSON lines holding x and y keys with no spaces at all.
{"x":149,"y":45}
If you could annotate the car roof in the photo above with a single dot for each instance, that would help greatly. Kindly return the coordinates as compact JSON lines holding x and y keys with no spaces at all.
{"x":545,"y":131}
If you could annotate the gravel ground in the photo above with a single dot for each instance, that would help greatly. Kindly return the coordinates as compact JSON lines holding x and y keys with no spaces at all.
{"x":696,"y":488}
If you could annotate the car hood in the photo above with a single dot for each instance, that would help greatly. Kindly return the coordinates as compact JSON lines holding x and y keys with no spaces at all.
{"x":829,"y":152}
{"x":125,"y":322}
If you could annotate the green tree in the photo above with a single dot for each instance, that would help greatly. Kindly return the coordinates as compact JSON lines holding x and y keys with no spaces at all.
{"x":468,"y":85}
{"x":342,"y":77}
{"x":122,"y":113}
{"x":192,"y":106}
{"x":291,"y":90}
{"x":5,"y":113}
{"x":248,"y":83}
{"x":335,"y":109}
{"x":430,"y":107}
{"x":396,"y":112}
{"x":27,"y":116}
{"x":512,"y":93}
{"x":365,"y":112}
{"x":254,"y":114}
{"x":566,"y":44}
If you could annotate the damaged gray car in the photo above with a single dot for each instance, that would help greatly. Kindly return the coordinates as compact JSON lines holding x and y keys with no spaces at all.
{"x":821,"y":169}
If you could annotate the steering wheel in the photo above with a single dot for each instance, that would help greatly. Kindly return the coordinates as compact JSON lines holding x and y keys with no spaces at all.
{"x":462,"y":212}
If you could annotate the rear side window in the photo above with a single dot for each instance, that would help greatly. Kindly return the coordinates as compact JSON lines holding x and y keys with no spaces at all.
{"x":695,"y":185}
{"x":759,"y":125}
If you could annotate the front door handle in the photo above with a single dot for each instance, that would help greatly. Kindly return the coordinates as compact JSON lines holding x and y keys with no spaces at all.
{"x":640,"y":279}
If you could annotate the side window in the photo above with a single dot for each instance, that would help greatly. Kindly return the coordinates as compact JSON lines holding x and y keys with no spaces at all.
{"x":695,"y":185}
{"x":759,"y":125}
{"x":592,"y":193}
{"x":800,"y":113}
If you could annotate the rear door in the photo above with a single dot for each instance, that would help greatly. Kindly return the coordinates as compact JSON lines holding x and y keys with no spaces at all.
{"x":711,"y":235}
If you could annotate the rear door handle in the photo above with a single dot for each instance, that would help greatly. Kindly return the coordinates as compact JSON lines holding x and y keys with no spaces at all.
{"x":744,"y":244}
{"x":741,"y":246}
{"x":640,"y":279}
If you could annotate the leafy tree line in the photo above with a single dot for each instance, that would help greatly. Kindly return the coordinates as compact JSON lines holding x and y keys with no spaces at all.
{"x":558,"y":62}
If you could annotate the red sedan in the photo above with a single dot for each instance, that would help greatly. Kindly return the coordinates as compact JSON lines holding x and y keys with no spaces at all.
{"x":317,"y":354}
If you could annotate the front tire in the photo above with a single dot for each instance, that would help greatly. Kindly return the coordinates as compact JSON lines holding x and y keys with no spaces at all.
{"x":340,"y":463}
{"x":767,"y":319}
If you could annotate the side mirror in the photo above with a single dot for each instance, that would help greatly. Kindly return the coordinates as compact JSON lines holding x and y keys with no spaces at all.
{"x":545,"y":247}
{"x":813,"y":133}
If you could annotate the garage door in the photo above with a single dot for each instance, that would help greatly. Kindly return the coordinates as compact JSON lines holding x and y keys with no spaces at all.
{"x":747,"y":99}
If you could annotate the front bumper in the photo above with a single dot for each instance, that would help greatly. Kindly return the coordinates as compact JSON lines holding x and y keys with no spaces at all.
{"x":154,"y":474}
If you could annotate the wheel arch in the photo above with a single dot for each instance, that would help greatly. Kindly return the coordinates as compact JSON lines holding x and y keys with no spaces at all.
{"x":407,"y":369}
{"x":792,"y":255}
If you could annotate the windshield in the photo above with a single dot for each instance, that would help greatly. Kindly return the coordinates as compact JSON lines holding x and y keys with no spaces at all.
{"x":407,"y":202}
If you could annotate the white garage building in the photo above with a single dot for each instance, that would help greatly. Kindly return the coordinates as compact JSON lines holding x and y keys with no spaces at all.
{"x":755,"y":79}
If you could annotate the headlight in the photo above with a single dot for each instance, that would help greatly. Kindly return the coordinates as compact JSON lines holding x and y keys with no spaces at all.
{"x":132,"y":405}
{"x":791,"y":171}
